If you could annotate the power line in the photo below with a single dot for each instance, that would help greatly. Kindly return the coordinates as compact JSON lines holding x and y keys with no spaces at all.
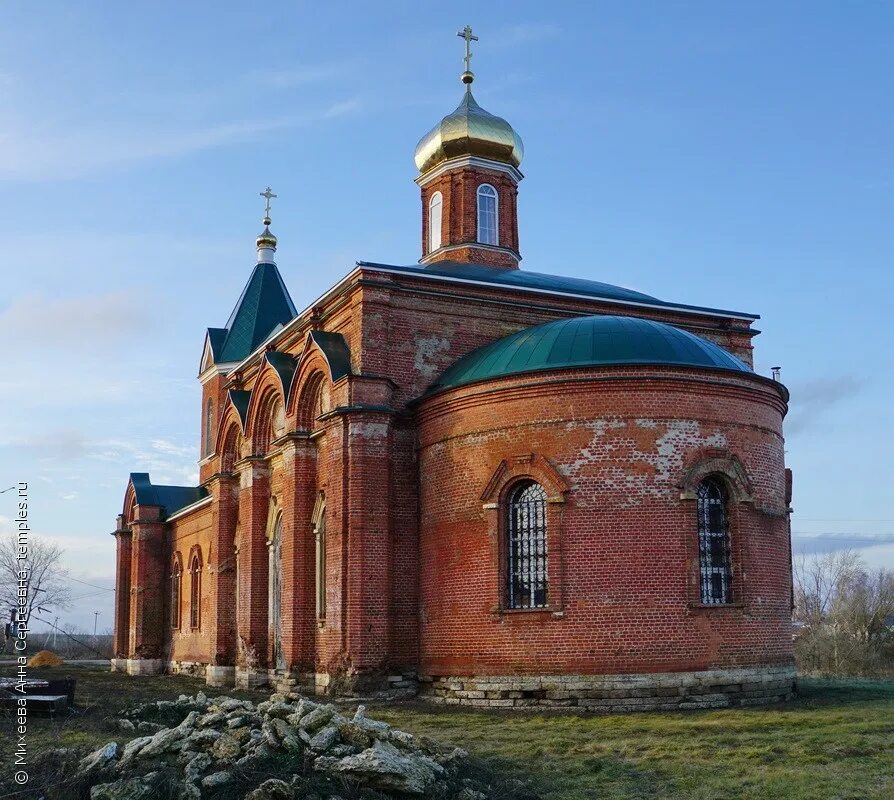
{"x":882,"y":537}
{"x":74,"y":639}
{"x":84,"y":596}
{"x":840,"y":519}
{"x":95,"y":586}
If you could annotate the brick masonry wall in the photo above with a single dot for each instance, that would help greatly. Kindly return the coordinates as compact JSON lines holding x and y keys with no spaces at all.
{"x":623,"y":441}
{"x":402,"y":332}
{"x":185,"y":534}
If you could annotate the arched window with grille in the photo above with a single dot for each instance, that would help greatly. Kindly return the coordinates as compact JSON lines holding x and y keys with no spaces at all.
{"x":715,"y":572}
{"x":209,"y":419}
{"x":318,"y":523}
{"x":195,"y":590}
{"x":176,"y":584}
{"x":526,"y":556}
{"x":488,"y":215}
{"x":435,"y":217}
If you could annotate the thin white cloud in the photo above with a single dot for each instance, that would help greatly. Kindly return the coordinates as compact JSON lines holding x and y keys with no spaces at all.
{"x":811,"y":399}
{"x":66,"y":152}
{"x":60,"y":444}
{"x":93,"y":321}
{"x":524,"y":33}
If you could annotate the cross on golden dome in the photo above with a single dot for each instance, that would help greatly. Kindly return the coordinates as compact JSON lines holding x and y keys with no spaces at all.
{"x":268,"y":195}
{"x":466,"y":33}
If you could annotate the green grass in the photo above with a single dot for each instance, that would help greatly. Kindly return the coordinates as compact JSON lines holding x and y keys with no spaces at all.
{"x":836,"y":740}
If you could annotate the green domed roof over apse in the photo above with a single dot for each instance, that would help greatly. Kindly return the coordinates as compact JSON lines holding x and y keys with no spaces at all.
{"x":588,"y":342}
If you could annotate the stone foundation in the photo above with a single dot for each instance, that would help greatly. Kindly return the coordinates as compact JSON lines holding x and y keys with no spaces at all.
{"x":251,"y":677}
{"x":119,"y":665}
{"x":194,"y":669}
{"x":145,"y":666}
{"x":220,"y":676}
{"x":717,"y":688}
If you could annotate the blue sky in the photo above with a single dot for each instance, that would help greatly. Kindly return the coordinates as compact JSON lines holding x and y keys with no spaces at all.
{"x":736,"y":155}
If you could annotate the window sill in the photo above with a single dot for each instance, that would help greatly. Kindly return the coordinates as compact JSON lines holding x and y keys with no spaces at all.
{"x":548,"y":611}
{"x":715,"y":606}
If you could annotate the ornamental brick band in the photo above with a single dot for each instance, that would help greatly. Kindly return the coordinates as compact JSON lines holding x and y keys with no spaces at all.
{"x":663,"y":691}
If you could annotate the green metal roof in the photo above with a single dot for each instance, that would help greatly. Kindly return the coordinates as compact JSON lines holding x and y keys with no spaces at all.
{"x":538,"y":281}
{"x":284,"y":366}
{"x":335,"y":350}
{"x":588,"y":342}
{"x":240,"y":400}
{"x":264,"y":305}
{"x":170,"y":498}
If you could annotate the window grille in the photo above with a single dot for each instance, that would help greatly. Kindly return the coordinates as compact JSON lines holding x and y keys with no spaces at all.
{"x":176,"y":576}
{"x":318,"y":522}
{"x":195,"y":593}
{"x":487,"y":214}
{"x":209,"y":418}
{"x":526,"y":550}
{"x":713,"y":543}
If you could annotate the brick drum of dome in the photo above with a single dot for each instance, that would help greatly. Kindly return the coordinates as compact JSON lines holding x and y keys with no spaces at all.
{"x":620,"y":452}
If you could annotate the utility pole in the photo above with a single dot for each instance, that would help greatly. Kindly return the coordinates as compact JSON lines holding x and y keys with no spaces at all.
{"x":55,"y":628}
{"x":95,"y":618}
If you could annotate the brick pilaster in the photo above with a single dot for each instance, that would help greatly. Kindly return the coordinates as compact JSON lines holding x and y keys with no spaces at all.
{"x":252,"y":566}
{"x":123,"y":556}
{"x":298,"y":564}
{"x":225,"y":510}
{"x":368,"y":578}
{"x":148,"y":584}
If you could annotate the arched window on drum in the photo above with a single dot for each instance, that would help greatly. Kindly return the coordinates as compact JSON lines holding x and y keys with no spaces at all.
{"x":526,"y":546}
{"x":715,"y":569}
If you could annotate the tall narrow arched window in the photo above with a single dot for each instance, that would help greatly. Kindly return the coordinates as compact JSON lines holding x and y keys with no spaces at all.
{"x":488,"y":215}
{"x":195,"y":590}
{"x":176,"y":583}
{"x":435,"y":215}
{"x":526,"y":576}
{"x":318,"y":521}
{"x":713,"y":543}
{"x":209,"y":414}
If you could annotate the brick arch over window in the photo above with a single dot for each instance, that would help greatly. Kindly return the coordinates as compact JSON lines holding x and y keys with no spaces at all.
{"x":231,"y":449}
{"x":130,"y":504}
{"x":266,"y":419}
{"x":511,"y":476}
{"x":716,"y":462}
{"x":312,"y":401}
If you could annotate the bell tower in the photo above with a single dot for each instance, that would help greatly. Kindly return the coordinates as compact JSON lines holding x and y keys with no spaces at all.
{"x":469,"y":176}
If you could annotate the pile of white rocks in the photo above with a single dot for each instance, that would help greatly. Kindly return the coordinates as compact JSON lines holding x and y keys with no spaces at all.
{"x":223,"y":740}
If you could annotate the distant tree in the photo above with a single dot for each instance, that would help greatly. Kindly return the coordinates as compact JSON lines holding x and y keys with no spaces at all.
{"x":845,"y":615}
{"x":47,"y":587}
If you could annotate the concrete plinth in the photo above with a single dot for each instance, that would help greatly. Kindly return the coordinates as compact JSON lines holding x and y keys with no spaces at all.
{"x":145,"y":666}
{"x":220,"y":676}
{"x":251,"y":677}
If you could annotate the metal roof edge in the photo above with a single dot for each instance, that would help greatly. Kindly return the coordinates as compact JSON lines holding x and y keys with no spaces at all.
{"x":192,"y":507}
{"x":661,"y":305}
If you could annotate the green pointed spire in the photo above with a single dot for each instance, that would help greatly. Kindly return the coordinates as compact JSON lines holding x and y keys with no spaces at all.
{"x":264,"y":305}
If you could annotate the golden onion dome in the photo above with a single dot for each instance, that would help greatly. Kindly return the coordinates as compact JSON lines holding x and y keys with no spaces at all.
{"x":469,"y":131}
{"x":266,"y":239}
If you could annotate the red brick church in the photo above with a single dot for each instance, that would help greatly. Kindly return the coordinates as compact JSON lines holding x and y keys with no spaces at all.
{"x":494,"y":485}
